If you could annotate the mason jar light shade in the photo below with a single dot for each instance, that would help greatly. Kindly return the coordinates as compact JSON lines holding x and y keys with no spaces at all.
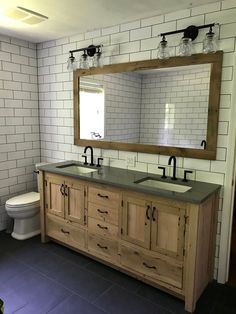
{"x":163,"y":49}
{"x":185,"y":47}
{"x":83,"y":62}
{"x":71,"y":63}
{"x":209,"y":43}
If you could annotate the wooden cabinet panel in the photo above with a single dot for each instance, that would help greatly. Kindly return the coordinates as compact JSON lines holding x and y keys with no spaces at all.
{"x":167,"y":236}
{"x":104,"y":197}
{"x":65,"y":232}
{"x":154,"y":266}
{"x":102,"y":228}
{"x":103,"y":246}
{"x":136,"y":221}
{"x":103,"y":213}
{"x":54,"y":196}
{"x":74,"y":201}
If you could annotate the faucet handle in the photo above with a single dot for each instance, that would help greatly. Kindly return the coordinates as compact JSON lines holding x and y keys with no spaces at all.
{"x":163,"y":173}
{"x":85,"y":159}
{"x":185,"y":175}
{"x":98,"y":162}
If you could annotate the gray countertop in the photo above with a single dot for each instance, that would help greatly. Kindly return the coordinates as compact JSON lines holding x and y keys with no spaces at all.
{"x":125,"y":179}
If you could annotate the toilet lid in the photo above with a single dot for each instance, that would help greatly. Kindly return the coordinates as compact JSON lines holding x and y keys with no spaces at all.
{"x":24,"y":199}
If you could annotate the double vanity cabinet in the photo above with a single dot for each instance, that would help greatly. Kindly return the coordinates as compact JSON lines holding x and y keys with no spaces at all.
{"x":163,"y":238}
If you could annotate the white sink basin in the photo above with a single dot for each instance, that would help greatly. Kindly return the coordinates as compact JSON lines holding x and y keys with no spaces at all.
{"x":153,"y":183}
{"x":78,"y":169}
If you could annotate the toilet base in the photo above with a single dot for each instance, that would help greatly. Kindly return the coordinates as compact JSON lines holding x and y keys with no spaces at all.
{"x":26,"y":228}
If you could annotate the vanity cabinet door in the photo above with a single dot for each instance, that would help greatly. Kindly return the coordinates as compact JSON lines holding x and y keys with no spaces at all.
{"x":54,"y":195}
{"x":136,"y":221}
{"x":74,"y":201}
{"x":167,"y":230}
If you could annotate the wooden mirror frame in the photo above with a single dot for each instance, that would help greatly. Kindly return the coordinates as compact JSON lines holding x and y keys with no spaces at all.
{"x":215,"y":59}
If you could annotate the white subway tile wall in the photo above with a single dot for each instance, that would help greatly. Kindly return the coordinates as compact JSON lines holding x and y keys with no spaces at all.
{"x":19,"y":119}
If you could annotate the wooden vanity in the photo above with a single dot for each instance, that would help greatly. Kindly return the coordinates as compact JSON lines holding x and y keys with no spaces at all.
{"x":164,"y":242}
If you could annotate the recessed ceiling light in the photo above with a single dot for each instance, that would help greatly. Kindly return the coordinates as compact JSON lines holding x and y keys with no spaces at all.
{"x":25,"y":15}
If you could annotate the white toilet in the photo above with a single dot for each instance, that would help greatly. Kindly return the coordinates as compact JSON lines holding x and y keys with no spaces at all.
{"x":24,"y":209}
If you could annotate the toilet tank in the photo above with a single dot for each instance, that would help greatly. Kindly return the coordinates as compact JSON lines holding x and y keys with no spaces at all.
{"x":36,"y":168}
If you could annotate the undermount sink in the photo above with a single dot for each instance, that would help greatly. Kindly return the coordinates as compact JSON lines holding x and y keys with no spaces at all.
{"x":77,"y":169}
{"x":155,"y":183}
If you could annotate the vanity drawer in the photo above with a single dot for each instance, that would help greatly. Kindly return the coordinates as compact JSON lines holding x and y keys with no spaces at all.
{"x":64,"y":231}
{"x":103,"y":246}
{"x":109,"y":198}
{"x":155,"y":267}
{"x":103,"y":213}
{"x":101,"y":227}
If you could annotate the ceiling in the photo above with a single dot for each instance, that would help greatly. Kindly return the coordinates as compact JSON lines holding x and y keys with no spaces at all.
{"x":68,"y":17}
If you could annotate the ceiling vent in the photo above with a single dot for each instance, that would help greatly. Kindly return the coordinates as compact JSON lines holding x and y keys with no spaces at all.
{"x":25,"y":15}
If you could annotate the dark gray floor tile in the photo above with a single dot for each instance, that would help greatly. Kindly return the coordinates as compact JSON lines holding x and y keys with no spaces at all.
{"x":80,"y":280}
{"x":75,"y":305}
{"x":35,"y":290}
{"x":118,"y":300}
{"x":161,"y":298}
{"x":70,"y":255}
{"x":115,"y":276}
{"x":10,"y":267}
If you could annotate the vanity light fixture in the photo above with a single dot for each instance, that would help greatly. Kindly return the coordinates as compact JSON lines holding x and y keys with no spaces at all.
{"x":189,"y":35}
{"x":91,"y":57}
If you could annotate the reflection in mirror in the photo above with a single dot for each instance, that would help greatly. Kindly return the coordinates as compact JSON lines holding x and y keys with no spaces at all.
{"x":167,"y":107}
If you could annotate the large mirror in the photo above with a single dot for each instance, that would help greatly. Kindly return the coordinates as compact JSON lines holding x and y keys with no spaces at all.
{"x":156,"y":106}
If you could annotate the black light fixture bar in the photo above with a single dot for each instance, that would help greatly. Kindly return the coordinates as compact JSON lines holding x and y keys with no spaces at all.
{"x":189,"y":32}
{"x":91,"y":50}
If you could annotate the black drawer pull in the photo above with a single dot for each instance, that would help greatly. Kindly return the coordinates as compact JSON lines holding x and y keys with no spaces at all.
{"x":62,"y":190}
{"x":101,"y":227}
{"x":147,"y":212}
{"x":102,"y":211}
{"x":146,"y":265}
{"x":65,"y":232}
{"x":102,"y":247}
{"x":103,"y":196}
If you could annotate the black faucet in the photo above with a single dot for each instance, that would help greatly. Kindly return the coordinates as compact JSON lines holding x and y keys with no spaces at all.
{"x":174,"y":167}
{"x":85,"y":150}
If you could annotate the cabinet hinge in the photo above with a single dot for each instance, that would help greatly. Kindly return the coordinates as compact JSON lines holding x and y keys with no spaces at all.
{"x":183,"y":252}
{"x":46,"y":182}
{"x":122,"y":203}
{"x":121,"y":230}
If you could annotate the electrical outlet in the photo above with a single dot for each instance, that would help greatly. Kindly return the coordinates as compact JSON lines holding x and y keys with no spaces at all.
{"x":131,"y":161}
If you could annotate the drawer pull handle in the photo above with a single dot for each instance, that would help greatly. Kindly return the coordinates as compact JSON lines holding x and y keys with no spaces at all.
{"x":102,"y":247}
{"x":153,"y":214}
{"x":146,"y":265}
{"x":66,"y":190}
{"x":62,"y":190}
{"x":147,"y":212}
{"x":65,"y":232}
{"x":102,"y":211}
{"x":101,"y":227}
{"x":103,"y":196}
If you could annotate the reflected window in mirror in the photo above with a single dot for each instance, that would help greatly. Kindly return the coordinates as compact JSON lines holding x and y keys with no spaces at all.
{"x":91,"y":110}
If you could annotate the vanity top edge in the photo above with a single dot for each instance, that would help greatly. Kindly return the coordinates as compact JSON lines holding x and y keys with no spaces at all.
{"x":125,"y":178}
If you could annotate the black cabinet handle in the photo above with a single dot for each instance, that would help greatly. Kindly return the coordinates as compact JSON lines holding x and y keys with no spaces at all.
{"x":102,"y":211}
{"x":36,"y":171}
{"x":153,"y":214}
{"x":102,"y":196}
{"x":65,"y":232}
{"x":62,"y":190}
{"x":147,"y":212}
{"x":151,"y":267}
{"x":102,"y":247}
{"x":101,"y":227}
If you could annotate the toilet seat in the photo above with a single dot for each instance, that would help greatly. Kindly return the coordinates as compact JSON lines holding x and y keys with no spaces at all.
{"x":24,"y":201}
